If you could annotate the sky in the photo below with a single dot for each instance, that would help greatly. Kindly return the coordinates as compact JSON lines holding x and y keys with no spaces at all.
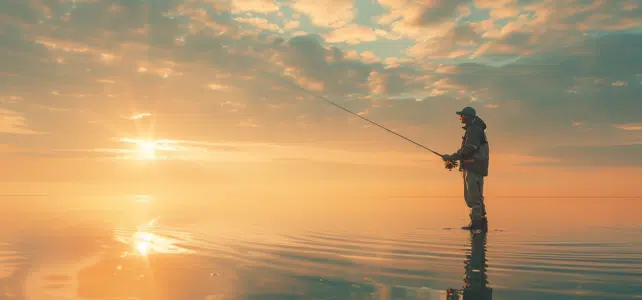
{"x":220,"y":96}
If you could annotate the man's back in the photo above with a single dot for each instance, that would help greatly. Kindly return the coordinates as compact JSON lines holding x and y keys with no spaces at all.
{"x":475,"y":136}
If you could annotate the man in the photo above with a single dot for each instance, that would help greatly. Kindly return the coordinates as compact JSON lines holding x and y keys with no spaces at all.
{"x":473,"y":157}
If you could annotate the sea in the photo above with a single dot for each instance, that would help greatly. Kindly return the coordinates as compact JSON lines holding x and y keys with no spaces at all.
{"x":156,"y":247}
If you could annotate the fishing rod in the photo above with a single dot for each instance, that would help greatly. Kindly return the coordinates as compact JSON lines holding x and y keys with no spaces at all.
{"x":369,"y":121}
{"x":448,"y":164}
{"x":377,"y":124}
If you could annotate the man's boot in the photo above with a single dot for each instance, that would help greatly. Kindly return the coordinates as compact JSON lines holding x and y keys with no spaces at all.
{"x":477,"y":225}
{"x":470,"y":225}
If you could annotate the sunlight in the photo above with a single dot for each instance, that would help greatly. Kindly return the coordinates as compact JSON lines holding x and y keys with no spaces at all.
{"x":149,"y":150}
{"x":142,"y":242}
{"x":145,"y":199}
{"x":139,"y":116}
{"x":146,"y":150}
{"x":145,"y":243}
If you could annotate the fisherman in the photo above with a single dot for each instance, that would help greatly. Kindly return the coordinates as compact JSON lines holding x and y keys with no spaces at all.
{"x":473,"y":158}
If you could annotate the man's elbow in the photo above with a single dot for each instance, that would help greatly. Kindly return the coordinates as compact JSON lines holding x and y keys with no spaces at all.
{"x":467,"y":151}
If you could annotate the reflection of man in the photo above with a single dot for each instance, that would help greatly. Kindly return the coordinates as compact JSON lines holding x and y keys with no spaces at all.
{"x":475,"y":282}
{"x":473,"y":157}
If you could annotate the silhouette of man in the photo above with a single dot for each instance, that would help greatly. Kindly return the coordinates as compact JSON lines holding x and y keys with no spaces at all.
{"x":473,"y":158}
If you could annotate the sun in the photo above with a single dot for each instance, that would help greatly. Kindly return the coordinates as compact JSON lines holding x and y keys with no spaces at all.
{"x":149,"y":150}
{"x":146,"y":150}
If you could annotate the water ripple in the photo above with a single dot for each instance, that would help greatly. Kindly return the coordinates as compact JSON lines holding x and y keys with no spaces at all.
{"x":244,"y":262}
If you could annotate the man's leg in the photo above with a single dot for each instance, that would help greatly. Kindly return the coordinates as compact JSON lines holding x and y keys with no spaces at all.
{"x":481,"y":193}
{"x":473,"y":194}
{"x":466,"y":195}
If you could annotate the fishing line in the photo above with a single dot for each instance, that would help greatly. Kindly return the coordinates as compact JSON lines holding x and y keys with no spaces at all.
{"x":364,"y":118}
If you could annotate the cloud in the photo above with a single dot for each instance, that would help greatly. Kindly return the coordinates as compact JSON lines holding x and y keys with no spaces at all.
{"x":260,"y":6}
{"x":421,"y":20}
{"x":387,"y":82}
{"x":292,"y":25}
{"x":514,"y":44}
{"x":593,"y":156}
{"x":204,"y":152}
{"x":539,"y":84}
{"x":258,"y":23}
{"x":13,"y":122}
{"x":604,"y":15}
{"x":222,"y":70}
{"x":366,"y":57}
{"x":10,"y":99}
{"x":458,"y":41}
{"x":438,"y":11}
{"x":214,"y":86}
{"x":307,"y":60}
{"x":327,"y":13}
{"x":354,"y":34}
{"x":139,"y":116}
{"x":630,"y":126}
{"x":75,"y":154}
{"x":511,"y":28}
{"x":10,"y":148}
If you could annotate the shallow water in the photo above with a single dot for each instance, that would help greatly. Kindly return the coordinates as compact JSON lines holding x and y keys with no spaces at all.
{"x":144,"y":247}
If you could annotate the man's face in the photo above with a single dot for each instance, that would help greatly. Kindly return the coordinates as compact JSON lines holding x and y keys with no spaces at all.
{"x":462,"y":119}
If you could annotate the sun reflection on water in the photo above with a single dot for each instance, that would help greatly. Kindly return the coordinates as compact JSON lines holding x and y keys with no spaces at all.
{"x":142,"y":242}
{"x":148,"y":239}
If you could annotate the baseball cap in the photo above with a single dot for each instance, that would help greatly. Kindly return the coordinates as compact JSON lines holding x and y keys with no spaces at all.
{"x":467,"y":111}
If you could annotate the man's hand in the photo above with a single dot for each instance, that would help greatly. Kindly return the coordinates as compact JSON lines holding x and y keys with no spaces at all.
{"x":447,"y":157}
{"x":450,"y":164}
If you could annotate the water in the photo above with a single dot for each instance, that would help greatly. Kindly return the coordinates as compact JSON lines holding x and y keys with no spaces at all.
{"x":150,"y":247}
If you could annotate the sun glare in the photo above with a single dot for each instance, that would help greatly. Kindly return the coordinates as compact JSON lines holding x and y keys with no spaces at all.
{"x":149,"y":149}
{"x":145,"y":243}
{"x":146,"y":150}
{"x":142,"y":242}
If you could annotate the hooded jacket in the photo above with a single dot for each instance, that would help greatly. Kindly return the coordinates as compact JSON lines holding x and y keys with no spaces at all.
{"x":474,"y":154}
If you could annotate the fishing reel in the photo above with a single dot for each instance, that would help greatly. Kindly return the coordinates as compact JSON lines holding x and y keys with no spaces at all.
{"x":450,"y":164}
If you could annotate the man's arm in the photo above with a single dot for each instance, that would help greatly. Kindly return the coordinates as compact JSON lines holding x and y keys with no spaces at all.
{"x":471,"y":144}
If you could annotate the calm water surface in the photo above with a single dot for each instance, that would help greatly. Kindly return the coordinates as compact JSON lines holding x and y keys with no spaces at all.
{"x":149,"y":247}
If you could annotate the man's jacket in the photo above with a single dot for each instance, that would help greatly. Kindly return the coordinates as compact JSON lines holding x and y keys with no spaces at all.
{"x":474,"y":153}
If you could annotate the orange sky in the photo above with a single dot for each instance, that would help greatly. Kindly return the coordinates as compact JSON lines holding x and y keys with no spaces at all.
{"x":99,"y":98}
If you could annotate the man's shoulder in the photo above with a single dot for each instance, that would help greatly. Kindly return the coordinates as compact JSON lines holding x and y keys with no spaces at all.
{"x":474,"y":128}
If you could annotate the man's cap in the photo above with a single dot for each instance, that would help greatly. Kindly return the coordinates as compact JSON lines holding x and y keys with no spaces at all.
{"x":467,"y":111}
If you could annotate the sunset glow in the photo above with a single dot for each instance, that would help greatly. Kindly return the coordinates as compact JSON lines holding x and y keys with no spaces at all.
{"x":187,"y":91}
{"x":146,"y":150}
{"x":331,"y":149}
{"x":142,"y":242}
